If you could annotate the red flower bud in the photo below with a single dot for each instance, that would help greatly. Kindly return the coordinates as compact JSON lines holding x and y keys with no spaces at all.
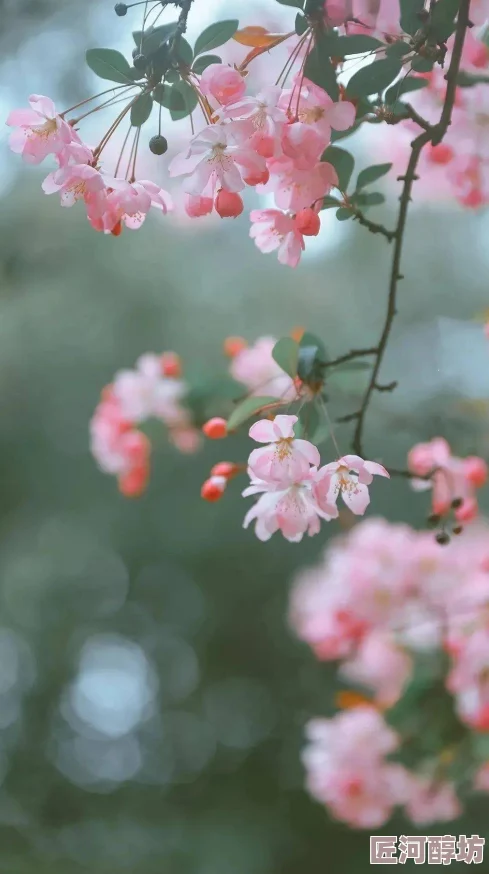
{"x":215,"y":428}
{"x":228,"y":204}
{"x":308,"y":222}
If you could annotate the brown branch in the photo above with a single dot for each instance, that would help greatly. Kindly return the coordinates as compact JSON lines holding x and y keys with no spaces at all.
{"x":433,"y":134}
{"x":181,"y":27}
{"x":373,"y":227}
{"x":350,"y":356}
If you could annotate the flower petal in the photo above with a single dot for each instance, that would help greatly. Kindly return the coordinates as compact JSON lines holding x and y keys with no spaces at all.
{"x":263,"y":431}
{"x":357,"y":500}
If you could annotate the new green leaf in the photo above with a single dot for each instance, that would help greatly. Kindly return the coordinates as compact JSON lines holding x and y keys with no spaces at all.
{"x":374,"y":78}
{"x":371,"y":174}
{"x":343,"y":163}
{"x":250,"y":407}
{"x":183,"y":100}
{"x":141,"y":110}
{"x":216,"y":35}
{"x":109,"y":64}
{"x":286,"y":354}
{"x":356,"y":44}
{"x":410,"y":20}
{"x":320,"y":70}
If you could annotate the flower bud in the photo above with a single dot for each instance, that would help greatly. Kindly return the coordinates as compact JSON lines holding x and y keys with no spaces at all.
{"x":228,"y":204}
{"x":215,"y":428}
{"x":475,"y":470}
{"x":227,"y":469}
{"x":440,"y":154}
{"x":196,"y":206}
{"x":140,"y":61}
{"x":258,"y":178}
{"x":171,"y":364}
{"x":308,"y":222}
{"x":233,"y":346}
{"x":213,"y":488}
{"x":133,"y":483}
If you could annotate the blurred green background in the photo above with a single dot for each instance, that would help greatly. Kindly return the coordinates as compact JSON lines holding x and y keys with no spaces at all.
{"x":152,"y":697}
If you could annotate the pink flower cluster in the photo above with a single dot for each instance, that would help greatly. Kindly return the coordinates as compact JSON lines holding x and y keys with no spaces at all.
{"x":110,"y":202}
{"x":454,"y":481}
{"x":382,"y":596}
{"x":255,"y":367}
{"x":272,"y":141}
{"x":153,"y":389}
{"x":349,"y":772}
{"x":295,"y":493}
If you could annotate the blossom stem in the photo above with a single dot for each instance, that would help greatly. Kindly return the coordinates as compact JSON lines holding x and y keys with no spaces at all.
{"x":432,"y":134}
{"x":89,"y":99}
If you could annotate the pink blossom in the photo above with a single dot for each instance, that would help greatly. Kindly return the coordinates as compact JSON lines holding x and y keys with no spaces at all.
{"x":285,"y":459}
{"x":79,"y":182}
{"x":255,"y":367}
{"x":382,"y":666}
{"x":296,"y":188}
{"x":320,"y":113}
{"x":275,"y":230}
{"x":215,"y":160}
{"x":303,"y":144}
{"x":41,"y":131}
{"x":263,"y":119}
{"x":347,"y":770}
{"x":350,"y":476}
{"x":291,"y":509}
{"x":225,"y":84}
{"x":452,"y":478}
{"x":431,"y":800}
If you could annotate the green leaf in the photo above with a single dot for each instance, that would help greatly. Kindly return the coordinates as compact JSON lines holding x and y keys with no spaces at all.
{"x":216,"y":35}
{"x":162,"y":94}
{"x":422,"y":65}
{"x":109,"y":64}
{"x":343,"y":214}
{"x":301,"y":24}
{"x":398,"y":49}
{"x":185,"y":52}
{"x":297,"y":3}
{"x":357,"y":44}
{"x":375,"y":198}
{"x":141,"y":110}
{"x":312,"y":357}
{"x":286,"y":354}
{"x":183,"y":100}
{"x":442,"y":22}
{"x":205,"y":61}
{"x":320,"y":70}
{"x":374,"y":78}
{"x":343,"y":163}
{"x":172,"y":76}
{"x":410,"y":21}
{"x":371,"y":174}
{"x":409,"y":83}
{"x":153,"y":37}
{"x":248,"y":408}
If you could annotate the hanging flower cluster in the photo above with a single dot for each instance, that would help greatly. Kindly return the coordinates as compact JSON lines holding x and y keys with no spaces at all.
{"x":407,"y":623}
{"x":153,"y":390}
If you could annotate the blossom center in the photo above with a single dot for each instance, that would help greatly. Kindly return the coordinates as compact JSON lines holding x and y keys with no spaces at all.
{"x":46,"y":130}
{"x":346,"y":482}
{"x":311,"y":115}
{"x":284,"y":448}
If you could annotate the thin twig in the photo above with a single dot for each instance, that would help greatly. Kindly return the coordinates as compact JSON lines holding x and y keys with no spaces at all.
{"x":350,"y":356}
{"x":180,"y":28}
{"x":433,"y":134}
{"x":373,"y":227}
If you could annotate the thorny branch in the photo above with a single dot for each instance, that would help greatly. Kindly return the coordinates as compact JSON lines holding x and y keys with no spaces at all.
{"x":181,"y":26}
{"x":431,"y":134}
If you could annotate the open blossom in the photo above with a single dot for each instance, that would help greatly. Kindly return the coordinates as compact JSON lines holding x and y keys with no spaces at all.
{"x":273,"y":230}
{"x":215,"y":160}
{"x":430,"y":800}
{"x":319,"y":112}
{"x":381,"y":665}
{"x":256,"y":368}
{"x":295,"y":188}
{"x":262,"y":119}
{"x":79,"y":182}
{"x":286,"y":458}
{"x":130,"y":203}
{"x":347,"y":769}
{"x":223,"y":83}
{"x":40,"y":130}
{"x":451,"y":478}
{"x":350,"y":476}
{"x":292,"y":509}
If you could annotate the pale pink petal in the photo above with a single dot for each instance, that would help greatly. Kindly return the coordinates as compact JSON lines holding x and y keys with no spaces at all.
{"x":17,"y":140}
{"x":263,"y":431}
{"x":357,"y":500}
{"x":20,"y":117}
{"x":309,"y":451}
{"x":42,"y":104}
{"x":376,"y":469}
{"x":341,"y":115}
{"x":284,"y":426}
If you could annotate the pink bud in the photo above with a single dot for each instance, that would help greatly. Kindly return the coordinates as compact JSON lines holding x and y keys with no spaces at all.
{"x":475,"y":470}
{"x":467,"y":511}
{"x":233,"y":346}
{"x":264,"y":146}
{"x":196,"y":206}
{"x":224,"y":83}
{"x":215,"y":428}
{"x":213,"y":488}
{"x":133,"y":483}
{"x":440,"y":154}
{"x":258,"y":178}
{"x":171,"y":364}
{"x":228,"y":204}
{"x":226,"y":469}
{"x":308,"y":222}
